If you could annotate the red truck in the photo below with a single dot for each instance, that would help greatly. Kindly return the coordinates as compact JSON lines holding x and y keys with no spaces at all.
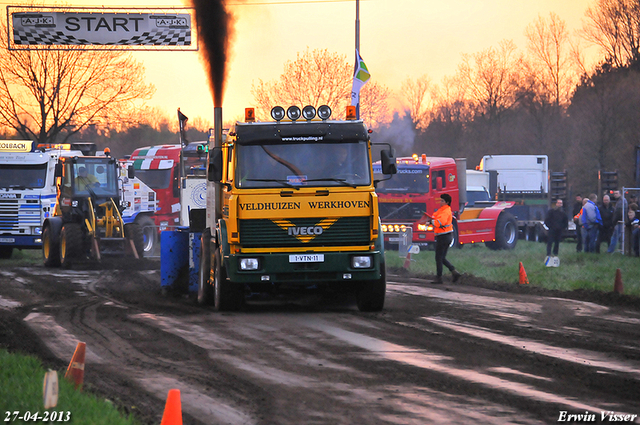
{"x":404,"y":198}
{"x":178,"y":176}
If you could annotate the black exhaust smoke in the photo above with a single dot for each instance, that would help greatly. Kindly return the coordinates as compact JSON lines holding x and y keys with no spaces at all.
{"x":215,"y":27}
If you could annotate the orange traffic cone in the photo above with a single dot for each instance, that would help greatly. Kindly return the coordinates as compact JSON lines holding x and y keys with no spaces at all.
{"x":617,"y":286}
{"x":75,"y":371}
{"x":407,"y":261}
{"x":523,"y":275}
{"x":172,"y":410}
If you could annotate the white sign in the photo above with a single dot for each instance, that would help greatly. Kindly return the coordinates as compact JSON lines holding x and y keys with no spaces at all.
{"x":306,"y":258}
{"x":97,"y":27}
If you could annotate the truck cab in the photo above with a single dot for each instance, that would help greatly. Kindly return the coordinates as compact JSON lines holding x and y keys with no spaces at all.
{"x":298,"y":211}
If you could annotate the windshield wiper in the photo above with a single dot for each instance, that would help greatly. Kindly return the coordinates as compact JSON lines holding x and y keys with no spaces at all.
{"x":282,"y":182}
{"x":16,"y":186}
{"x":333,"y":179}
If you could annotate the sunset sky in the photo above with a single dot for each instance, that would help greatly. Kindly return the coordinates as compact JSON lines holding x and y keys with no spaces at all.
{"x":398,"y":39}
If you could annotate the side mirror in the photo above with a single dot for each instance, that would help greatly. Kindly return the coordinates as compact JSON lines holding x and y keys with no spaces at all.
{"x":388,"y":160}
{"x":57,"y":172}
{"x":131,"y":173}
{"x":214,"y":170}
{"x":438,"y":183}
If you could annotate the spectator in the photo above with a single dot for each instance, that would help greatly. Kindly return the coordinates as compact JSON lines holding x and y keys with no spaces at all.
{"x":607,"y":211}
{"x":577,"y":207}
{"x":591,"y":222}
{"x":633,"y":225}
{"x":442,"y":221}
{"x":556,"y":221}
{"x":621,"y":205}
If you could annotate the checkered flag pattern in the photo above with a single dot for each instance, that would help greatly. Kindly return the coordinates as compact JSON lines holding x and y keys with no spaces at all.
{"x":161,"y":37}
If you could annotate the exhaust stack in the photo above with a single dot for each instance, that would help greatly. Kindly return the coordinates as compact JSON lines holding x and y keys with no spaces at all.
{"x":217,"y":143}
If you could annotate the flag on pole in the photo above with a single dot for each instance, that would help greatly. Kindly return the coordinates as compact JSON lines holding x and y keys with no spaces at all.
{"x":182,"y":121}
{"x":360,"y":78}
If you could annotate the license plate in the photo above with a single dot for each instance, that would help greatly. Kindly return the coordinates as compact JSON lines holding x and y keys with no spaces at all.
{"x":7,"y":240}
{"x":394,"y":239}
{"x":306,"y":258}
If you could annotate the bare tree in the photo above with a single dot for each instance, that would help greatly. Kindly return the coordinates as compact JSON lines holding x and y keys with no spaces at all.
{"x":548,"y":44}
{"x":491,"y":78}
{"x":614,"y":25}
{"x":320,"y":77}
{"x":450,"y":103}
{"x":50,"y":95}
{"x":418,"y":94}
{"x":374,"y":104}
{"x":315,"y":78}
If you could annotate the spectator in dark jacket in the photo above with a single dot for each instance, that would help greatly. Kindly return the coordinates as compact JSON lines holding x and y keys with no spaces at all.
{"x":556,"y":221}
{"x":607,"y":211}
{"x":621,"y":207}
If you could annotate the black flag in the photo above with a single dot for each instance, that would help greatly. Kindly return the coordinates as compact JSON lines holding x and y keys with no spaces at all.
{"x":182,"y":119}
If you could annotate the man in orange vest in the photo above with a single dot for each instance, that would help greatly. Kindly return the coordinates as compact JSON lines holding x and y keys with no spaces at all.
{"x":442,"y":221}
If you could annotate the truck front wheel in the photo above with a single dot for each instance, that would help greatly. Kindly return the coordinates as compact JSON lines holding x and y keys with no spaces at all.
{"x":370,"y":296}
{"x":149,"y":234}
{"x":227,"y":295}
{"x":5,"y":251}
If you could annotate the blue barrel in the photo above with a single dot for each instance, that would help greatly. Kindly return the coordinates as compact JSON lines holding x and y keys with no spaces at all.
{"x":194,"y":260}
{"x":174,"y":257}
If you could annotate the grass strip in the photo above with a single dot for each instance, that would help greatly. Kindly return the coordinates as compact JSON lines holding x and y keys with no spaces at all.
{"x":21,"y":379}
{"x":577,"y":270}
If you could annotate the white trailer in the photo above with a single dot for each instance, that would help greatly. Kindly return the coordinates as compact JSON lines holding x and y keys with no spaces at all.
{"x":523,"y":179}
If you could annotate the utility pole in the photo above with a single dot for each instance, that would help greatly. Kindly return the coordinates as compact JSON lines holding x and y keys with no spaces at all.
{"x":357,"y":49}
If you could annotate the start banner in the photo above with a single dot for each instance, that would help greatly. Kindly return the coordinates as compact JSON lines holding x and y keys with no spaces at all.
{"x":101,"y":28}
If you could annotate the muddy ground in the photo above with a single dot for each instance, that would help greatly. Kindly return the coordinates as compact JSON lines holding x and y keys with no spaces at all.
{"x":471,"y":352}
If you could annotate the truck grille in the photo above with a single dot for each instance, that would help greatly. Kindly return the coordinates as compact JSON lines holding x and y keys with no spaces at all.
{"x":401,"y":211}
{"x":263,"y":233}
{"x":16,"y":215}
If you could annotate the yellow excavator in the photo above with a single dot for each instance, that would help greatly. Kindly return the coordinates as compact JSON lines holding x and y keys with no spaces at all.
{"x":87,"y":224}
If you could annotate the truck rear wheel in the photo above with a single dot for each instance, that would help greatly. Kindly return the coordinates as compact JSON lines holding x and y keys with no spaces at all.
{"x":205,"y":289}
{"x":370,"y":296}
{"x":70,"y":243}
{"x":50,"y":249}
{"x":506,"y":232}
{"x":227,"y":295}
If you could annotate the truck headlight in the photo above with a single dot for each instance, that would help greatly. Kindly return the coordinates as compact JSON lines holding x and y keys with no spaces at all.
{"x":361,"y":262}
{"x":249,"y":264}
{"x":37,"y":230}
{"x":422,"y":227}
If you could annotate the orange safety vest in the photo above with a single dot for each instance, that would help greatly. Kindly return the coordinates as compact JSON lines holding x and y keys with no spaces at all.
{"x":442,"y":220}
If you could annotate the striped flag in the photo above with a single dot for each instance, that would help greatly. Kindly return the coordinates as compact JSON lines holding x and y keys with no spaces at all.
{"x":360,"y":78}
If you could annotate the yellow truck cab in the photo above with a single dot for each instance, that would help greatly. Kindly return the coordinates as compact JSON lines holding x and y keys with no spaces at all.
{"x":298,"y":210}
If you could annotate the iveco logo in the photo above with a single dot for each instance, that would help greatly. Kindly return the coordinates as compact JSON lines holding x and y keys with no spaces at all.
{"x":304,"y":230}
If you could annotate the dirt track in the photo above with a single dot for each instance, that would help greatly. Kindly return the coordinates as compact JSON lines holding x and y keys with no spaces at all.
{"x":437,"y":354}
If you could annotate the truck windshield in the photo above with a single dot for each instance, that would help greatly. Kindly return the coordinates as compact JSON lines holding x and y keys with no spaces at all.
{"x":194,"y":162}
{"x":32,"y":176}
{"x":155,"y":179}
{"x":407,"y":180}
{"x":96,"y":177}
{"x":303,"y":165}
